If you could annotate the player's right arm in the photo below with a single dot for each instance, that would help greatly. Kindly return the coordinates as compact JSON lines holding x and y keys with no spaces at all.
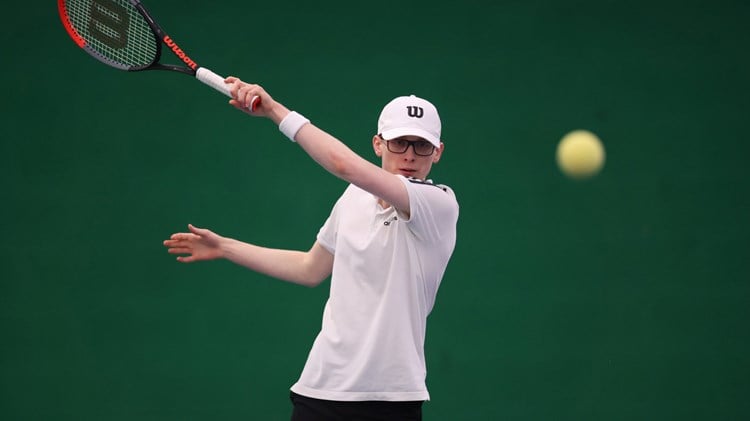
{"x":325,"y":149}
{"x":308,"y":268}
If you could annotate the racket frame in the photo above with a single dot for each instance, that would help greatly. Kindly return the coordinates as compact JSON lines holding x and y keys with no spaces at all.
{"x":162,"y":39}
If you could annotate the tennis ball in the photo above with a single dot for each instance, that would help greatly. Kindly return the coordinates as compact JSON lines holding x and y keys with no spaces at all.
{"x":580,"y":154}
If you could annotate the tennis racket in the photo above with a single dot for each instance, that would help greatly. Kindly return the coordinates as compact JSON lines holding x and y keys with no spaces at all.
{"x":124,"y":35}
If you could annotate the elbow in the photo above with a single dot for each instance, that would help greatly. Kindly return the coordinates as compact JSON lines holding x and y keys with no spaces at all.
{"x":311,"y":282}
{"x":314,"y":284}
{"x":312,"y":273}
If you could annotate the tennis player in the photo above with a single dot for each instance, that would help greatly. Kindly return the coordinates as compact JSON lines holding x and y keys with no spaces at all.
{"x":385,"y":246}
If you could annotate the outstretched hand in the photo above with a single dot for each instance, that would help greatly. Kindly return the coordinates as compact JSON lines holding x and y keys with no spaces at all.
{"x":199,"y":244}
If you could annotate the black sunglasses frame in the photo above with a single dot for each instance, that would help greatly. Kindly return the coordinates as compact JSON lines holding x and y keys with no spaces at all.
{"x":412,"y":143}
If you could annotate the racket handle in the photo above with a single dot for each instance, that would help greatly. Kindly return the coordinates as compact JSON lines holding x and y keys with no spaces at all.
{"x":217,"y":82}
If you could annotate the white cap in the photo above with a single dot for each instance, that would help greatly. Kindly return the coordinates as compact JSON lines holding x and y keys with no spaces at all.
{"x":410,"y":115}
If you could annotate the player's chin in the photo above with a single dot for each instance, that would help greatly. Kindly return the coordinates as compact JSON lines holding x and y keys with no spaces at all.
{"x":413,"y":174}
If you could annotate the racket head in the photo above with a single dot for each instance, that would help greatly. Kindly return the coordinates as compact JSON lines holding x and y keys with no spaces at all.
{"x":112,"y":31}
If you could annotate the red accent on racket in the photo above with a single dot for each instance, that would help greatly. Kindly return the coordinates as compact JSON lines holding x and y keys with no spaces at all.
{"x":124,"y":35}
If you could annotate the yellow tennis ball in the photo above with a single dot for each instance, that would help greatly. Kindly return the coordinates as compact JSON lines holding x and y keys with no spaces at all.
{"x":580,"y":154}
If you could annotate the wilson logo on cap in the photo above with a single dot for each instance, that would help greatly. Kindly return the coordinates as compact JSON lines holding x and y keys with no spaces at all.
{"x":417,"y":112}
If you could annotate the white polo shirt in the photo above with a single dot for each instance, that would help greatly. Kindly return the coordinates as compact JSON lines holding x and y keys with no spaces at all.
{"x":386,"y":273}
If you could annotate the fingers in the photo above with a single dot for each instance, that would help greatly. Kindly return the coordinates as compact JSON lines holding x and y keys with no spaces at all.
{"x":179,"y":237}
{"x":180,"y":243}
{"x":186,"y":238}
{"x":179,"y":249}
{"x":184,"y":243}
{"x":245,"y":96}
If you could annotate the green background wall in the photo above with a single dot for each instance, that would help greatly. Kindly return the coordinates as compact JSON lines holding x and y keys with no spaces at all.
{"x":618,"y":298}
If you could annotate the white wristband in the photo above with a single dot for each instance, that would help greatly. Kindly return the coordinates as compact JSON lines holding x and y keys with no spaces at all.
{"x":291,"y":124}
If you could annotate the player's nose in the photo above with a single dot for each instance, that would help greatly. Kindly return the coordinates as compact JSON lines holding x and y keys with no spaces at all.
{"x":410,"y":154}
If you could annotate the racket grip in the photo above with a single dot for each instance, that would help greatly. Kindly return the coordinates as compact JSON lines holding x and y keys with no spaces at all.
{"x":217,"y":82}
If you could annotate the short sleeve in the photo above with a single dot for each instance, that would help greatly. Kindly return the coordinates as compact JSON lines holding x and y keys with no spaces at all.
{"x":433,"y":210}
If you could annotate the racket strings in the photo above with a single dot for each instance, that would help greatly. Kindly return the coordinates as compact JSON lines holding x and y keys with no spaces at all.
{"x":114,"y":30}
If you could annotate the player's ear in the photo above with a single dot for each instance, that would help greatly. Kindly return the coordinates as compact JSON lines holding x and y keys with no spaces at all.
{"x":378,"y":144}
{"x":438,"y":153}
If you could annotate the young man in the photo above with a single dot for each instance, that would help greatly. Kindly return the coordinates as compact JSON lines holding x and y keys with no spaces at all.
{"x":385,"y":246}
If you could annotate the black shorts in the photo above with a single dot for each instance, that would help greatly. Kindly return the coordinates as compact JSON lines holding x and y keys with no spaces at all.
{"x":309,"y":409}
